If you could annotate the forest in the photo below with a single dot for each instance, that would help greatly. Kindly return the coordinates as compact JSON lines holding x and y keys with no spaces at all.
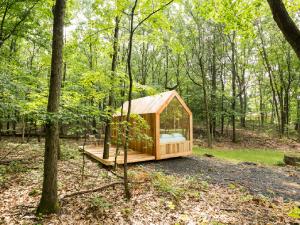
{"x":71,"y":76}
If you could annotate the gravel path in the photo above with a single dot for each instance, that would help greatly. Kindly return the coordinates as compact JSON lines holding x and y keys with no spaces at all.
{"x":269,"y":181}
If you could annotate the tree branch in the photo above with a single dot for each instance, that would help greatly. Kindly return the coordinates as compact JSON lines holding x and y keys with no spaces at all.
{"x":25,"y":15}
{"x":286,"y":24}
{"x":151,"y":14}
{"x":92,"y":190}
{"x":187,"y":72}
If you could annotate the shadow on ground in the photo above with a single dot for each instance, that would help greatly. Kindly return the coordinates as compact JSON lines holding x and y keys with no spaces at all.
{"x":269,"y":181}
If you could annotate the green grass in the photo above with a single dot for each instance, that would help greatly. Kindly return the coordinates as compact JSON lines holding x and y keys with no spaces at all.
{"x":260,"y":156}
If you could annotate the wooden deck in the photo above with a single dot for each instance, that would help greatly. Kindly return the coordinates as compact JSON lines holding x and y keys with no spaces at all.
{"x":96,"y":152}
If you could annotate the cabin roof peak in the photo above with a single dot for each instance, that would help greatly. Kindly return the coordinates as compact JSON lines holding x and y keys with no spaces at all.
{"x":152,"y":103}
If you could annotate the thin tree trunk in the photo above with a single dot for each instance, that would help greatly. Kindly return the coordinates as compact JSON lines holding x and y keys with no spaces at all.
{"x":120,"y":126}
{"x":270,"y":73}
{"x":107,"y":133}
{"x":261,"y":104}
{"x":222,"y":100}
{"x":242,"y":96}
{"x":213,"y":89}
{"x":298,"y":109}
{"x":8,"y":124}
{"x":49,"y":201}
{"x":298,"y":115}
{"x":234,"y":75}
{"x":23,"y":128}
{"x":130,"y":41}
{"x":207,"y":113}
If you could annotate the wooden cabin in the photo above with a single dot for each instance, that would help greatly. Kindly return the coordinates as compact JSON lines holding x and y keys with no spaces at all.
{"x":170,"y":125}
{"x":169,"y":130}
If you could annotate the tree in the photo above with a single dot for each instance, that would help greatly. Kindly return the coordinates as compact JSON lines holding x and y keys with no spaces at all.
{"x":49,"y":202}
{"x":286,"y":24}
{"x":298,"y":111}
{"x":132,"y":30}
{"x":233,"y":85}
{"x":111,"y":93}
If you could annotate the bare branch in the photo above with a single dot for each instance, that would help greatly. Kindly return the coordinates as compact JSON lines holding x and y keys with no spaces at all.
{"x":92,"y":190}
{"x":151,"y":14}
{"x":187,"y":72}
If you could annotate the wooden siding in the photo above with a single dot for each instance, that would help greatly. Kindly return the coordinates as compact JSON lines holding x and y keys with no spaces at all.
{"x":183,"y":147}
{"x":144,"y":146}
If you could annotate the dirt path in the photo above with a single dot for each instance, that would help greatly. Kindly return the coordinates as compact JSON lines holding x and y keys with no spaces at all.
{"x":269,"y":181}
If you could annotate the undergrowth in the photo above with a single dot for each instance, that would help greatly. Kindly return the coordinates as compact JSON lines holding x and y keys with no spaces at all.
{"x":167,"y":184}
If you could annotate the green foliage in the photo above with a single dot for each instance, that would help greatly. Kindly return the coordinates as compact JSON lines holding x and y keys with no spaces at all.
{"x":127,"y":211}
{"x":68,"y":153}
{"x":246,"y":198}
{"x":232,"y":186}
{"x":11,"y":169}
{"x":138,"y":129}
{"x":166,"y":49}
{"x":295,"y":212}
{"x":34,"y":192}
{"x":167,"y":184}
{"x":100,"y":203}
{"x":16,"y":167}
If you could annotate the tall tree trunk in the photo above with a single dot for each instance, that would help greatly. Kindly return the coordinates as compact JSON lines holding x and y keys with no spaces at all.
{"x":130,"y":41}
{"x":287,"y":91}
{"x":281,"y":94}
{"x":129,"y":53}
{"x":261,"y":104}
{"x":243,"y":97}
{"x":207,"y":113}
{"x":233,"y":83}
{"x":222,"y":100}
{"x":286,"y":24}
{"x":49,"y":201}
{"x":107,"y":132}
{"x":271,"y":79}
{"x":213,"y":88}
{"x":298,"y":114}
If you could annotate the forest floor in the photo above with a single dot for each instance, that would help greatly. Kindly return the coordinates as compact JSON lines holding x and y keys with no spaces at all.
{"x":283,"y":181}
{"x":252,"y":140}
{"x":177,"y":191}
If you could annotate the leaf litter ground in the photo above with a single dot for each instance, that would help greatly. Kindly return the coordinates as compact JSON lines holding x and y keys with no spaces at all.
{"x":157,"y":198}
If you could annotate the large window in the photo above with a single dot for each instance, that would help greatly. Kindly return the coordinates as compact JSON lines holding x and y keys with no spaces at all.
{"x":174,"y":123}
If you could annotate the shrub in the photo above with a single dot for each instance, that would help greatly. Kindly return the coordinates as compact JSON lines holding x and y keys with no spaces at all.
{"x":100,"y":203}
{"x":167,"y":184}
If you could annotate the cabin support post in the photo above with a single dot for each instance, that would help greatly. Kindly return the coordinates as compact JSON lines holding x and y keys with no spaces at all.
{"x":157,"y":136}
{"x":191,"y":132}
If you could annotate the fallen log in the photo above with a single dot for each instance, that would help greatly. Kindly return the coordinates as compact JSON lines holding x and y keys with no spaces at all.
{"x":19,"y":160}
{"x":91,"y":190}
{"x":98,"y":189}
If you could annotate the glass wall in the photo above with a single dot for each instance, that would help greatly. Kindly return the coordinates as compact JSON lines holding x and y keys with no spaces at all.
{"x":174,"y":123}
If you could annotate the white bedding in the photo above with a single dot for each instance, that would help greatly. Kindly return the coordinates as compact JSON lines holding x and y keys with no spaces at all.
{"x":171,"y":138}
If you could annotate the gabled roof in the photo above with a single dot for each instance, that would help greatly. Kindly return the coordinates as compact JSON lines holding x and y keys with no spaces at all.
{"x":152,"y":104}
